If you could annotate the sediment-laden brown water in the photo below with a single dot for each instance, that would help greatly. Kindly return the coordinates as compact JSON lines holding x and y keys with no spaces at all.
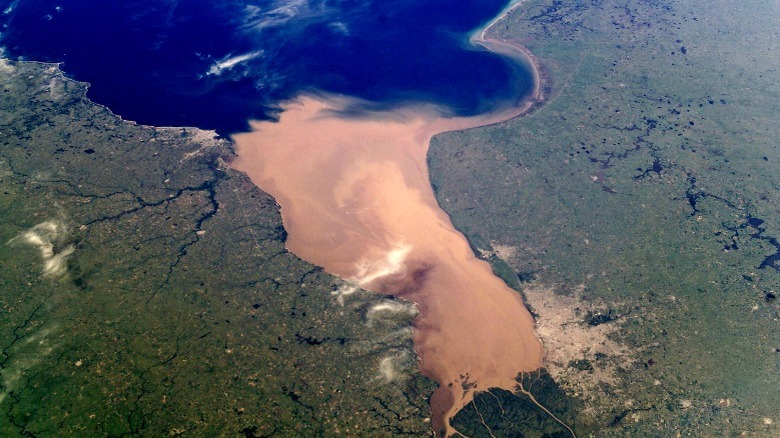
{"x":356,"y":199}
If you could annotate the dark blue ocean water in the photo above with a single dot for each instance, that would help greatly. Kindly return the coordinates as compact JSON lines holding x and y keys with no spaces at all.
{"x":217,"y":63}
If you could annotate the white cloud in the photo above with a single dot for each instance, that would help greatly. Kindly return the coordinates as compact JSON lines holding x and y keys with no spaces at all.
{"x":388,"y":308}
{"x":393,"y":367}
{"x":340,"y":27}
{"x":5,"y":65}
{"x":11,"y":7}
{"x":45,"y":236}
{"x":279,"y":13}
{"x":229,"y":62}
{"x":25,"y":356}
{"x":394,"y":262}
{"x":283,"y":12}
{"x":368,"y":271}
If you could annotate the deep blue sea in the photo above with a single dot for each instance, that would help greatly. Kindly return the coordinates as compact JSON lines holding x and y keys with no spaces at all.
{"x":215,"y":64}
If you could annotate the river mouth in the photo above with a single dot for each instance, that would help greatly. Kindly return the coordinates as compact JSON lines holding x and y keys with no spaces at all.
{"x":356,"y":200}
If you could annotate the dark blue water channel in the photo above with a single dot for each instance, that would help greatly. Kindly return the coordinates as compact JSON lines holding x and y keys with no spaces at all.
{"x":215,"y":64}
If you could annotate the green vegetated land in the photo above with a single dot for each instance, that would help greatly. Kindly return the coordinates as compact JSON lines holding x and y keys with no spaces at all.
{"x":145,"y":291}
{"x":638,"y":210}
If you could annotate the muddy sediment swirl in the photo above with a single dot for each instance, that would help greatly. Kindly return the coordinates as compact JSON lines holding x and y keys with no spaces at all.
{"x":356,"y":199}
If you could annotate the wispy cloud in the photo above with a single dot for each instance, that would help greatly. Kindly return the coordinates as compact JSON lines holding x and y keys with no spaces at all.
{"x":293,"y":12}
{"x":25,"y":356}
{"x":11,"y":7}
{"x":279,"y":13}
{"x":47,"y":236}
{"x":340,"y":27}
{"x":231,"y":61}
{"x":393,"y":367}
{"x":394,"y":262}
{"x":387,"y":309}
{"x":368,"y":271}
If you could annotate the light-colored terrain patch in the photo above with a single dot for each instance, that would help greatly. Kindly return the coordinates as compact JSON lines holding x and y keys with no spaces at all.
{"x":507,"y":253}
{"x":206,"y":141}
{"x":583,"y":358}
{"x":568,"y":337}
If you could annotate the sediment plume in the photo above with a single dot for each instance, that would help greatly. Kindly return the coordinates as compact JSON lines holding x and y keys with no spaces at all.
{"x":356,"y":199}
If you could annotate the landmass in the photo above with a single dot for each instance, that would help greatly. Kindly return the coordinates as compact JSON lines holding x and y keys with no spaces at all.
{"x":174,"y":308}
{"x":146,"y":289}
{"x":636,"y":212}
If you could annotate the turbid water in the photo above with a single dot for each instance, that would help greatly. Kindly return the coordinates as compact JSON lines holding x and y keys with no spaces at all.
{"x":356,"y":199}
{"x":350,"y":174}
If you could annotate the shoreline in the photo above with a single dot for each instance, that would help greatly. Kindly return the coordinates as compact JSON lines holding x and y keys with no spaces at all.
{"x":390,"y":236}
{"x":518,"y":52}
{"x":196,"y":131}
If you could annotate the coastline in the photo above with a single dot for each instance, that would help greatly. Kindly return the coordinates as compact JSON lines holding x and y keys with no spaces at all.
{"x":518,"y":52}
{"x":531,"y":202}
{"x":390,"y":236}
{"x":207,"y":138}
{"x":358,"y":228}
{"x":521,"y":106}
